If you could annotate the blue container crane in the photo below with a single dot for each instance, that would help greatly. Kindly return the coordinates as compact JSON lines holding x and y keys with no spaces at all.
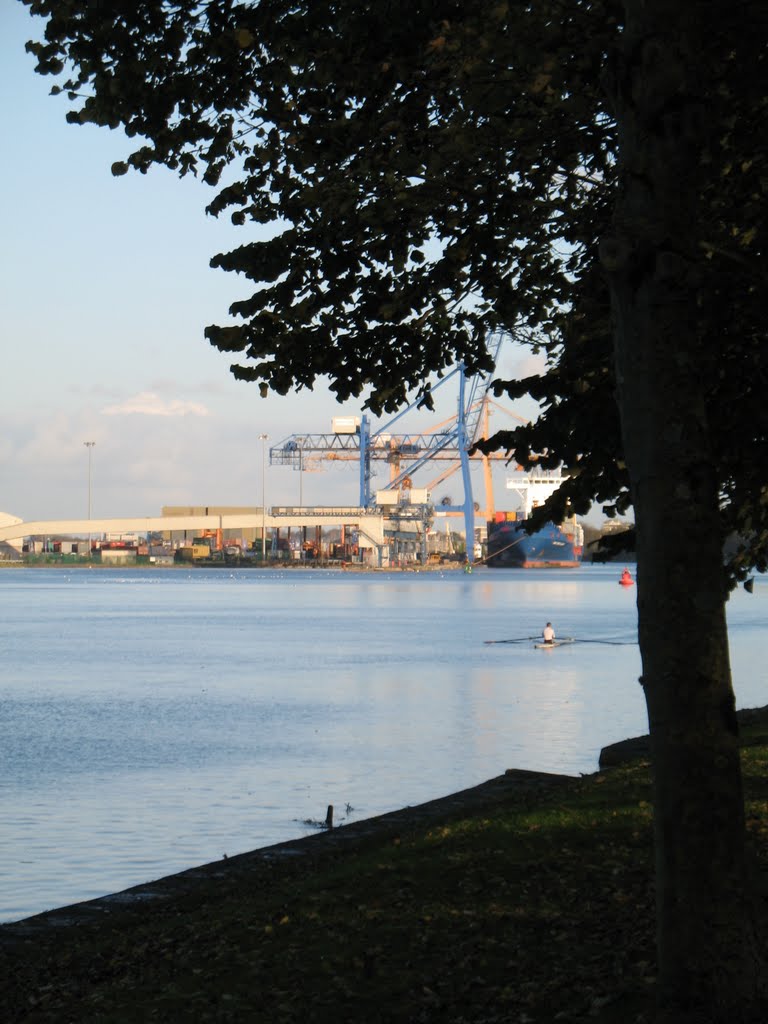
{"x":418,"y":449}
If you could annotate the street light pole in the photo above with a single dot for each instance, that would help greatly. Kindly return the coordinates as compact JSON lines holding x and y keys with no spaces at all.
{"x":89,"y":445}
{"x":263,"y":438}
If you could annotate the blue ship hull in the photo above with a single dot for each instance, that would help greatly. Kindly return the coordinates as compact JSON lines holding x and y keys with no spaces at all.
{"x":510,"y":547}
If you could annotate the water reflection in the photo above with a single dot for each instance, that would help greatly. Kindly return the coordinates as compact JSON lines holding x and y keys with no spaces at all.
{"x":155,"y":720}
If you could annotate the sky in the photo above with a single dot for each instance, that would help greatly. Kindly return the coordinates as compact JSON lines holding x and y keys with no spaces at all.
{"x":105,"y":292}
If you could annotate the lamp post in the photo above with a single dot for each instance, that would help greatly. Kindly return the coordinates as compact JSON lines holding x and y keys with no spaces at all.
{"x":89,"y":445}
{"x":263,"y":438}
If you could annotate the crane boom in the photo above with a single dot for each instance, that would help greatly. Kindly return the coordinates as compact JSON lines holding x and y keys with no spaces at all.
{"x":449,"y":442}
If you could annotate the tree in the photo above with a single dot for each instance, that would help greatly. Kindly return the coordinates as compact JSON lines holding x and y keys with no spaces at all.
{"x":677,"y":86}
{"x":588,"y":169}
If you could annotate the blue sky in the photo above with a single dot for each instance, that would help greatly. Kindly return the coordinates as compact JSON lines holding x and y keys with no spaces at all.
{"x":105,"y":290}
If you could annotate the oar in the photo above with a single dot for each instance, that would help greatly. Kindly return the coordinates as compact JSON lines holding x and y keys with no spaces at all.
{"x":615,"y":643}
{"x":516,"y":640}
{"x":570,"y":639}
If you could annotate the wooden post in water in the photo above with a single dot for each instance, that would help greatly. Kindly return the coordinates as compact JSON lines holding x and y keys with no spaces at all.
{"x":329,"y":817}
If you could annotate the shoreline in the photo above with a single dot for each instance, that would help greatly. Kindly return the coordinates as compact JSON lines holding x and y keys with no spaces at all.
{"x":515,"y":784}
{"x":514,"y":787}
{"x":271,"y":567}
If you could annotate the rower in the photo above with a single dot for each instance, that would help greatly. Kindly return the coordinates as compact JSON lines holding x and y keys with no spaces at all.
{"x":548,"y":633}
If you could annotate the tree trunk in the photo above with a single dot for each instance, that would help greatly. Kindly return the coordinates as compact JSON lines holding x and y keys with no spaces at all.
{"x":710,"y":963}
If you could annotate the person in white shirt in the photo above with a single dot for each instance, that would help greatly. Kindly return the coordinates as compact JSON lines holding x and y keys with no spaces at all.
{"x":548,"y":633}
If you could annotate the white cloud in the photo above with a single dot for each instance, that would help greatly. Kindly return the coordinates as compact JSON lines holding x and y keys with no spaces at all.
{"x":147,"y":403}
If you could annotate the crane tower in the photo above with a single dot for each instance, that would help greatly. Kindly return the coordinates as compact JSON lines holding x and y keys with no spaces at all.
{"x":406,"y":453}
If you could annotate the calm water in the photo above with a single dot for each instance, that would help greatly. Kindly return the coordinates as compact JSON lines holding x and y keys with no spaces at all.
{"x":154,"y":720}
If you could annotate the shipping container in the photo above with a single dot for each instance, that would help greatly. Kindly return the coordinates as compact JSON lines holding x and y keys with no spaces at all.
{"x":345,"y":425}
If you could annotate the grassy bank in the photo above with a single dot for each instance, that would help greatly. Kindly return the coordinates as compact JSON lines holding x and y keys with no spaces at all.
{"x":516,"y":903}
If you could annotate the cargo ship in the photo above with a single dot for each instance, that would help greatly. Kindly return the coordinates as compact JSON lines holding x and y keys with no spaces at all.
{"x":510,"y":547}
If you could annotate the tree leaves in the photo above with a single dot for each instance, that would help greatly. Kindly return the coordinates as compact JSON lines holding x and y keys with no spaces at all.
{"x":381,"y":137}
{"x":427,"y":173}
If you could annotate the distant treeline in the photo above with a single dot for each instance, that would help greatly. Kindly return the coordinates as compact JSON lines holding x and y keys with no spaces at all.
{"x":614,"y":542}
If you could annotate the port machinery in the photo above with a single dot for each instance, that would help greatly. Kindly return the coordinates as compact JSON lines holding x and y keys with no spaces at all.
{"x":407,"y":453}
